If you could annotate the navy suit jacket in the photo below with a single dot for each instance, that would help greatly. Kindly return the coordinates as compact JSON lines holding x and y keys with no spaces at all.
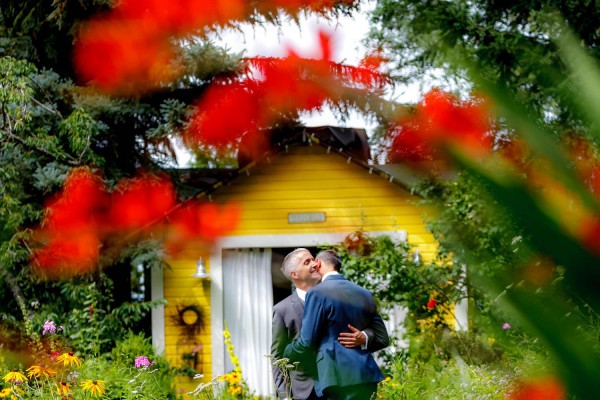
{"x":329,"y":307}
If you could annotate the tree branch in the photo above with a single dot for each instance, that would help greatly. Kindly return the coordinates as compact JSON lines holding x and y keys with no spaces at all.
{"x":43,"y":151}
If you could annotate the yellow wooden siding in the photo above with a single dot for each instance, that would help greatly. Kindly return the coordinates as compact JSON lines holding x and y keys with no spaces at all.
{"x":181,"y":289}
{"x":304,"y":180}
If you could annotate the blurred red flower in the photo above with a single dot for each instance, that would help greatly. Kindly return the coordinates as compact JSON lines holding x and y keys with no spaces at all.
{"x":123,"y":55}
{"x":207,"y":221}
{"x":224,"y":113}
{"x":214,"y":221}
{"x":441,"y":120}
{"x":182,"y":16}
{"x":548,"y":388}
{"x":83,"y":216}
{"x":68,"y":255}
{"x":130,"y":48}
{"x":463,"y":123}
{"x":408,"y":145}
{"x":293,"y":84}
{"x":270,"y":88}
{"x":431,"y":303}
{"x":77,"y":207}
{"x":138,"y":202}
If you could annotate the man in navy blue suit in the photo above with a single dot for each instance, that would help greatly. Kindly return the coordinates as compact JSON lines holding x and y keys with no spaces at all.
{"x":300,"y":267}
{"x":343,"y":373}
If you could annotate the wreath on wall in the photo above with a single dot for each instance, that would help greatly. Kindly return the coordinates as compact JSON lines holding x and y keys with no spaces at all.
{"x":190,"y":318}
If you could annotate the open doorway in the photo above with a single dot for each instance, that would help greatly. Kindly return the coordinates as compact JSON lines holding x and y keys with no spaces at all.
{"x":252,"y":284}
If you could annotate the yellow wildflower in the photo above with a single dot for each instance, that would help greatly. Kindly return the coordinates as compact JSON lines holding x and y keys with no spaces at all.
{"x":96,"y":388}
{"x":63,"y":388}
{"x":235,"y":390}
{"x":10,"y":392}
{"x":233,"y":378}
{"x":69,"y":359}
{"x":14,"y":376}
{"x":39,"y":371}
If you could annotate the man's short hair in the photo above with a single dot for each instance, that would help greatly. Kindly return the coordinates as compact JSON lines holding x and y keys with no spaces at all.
{"x":290,"y":264}
{"x":330,"y":257}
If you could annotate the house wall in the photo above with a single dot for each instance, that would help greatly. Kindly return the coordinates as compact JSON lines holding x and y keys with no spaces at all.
{"x":305,"y":179}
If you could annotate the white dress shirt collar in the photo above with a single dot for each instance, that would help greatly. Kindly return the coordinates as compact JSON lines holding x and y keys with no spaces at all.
{"x":330,"y":273}
{"x":302,"y":294}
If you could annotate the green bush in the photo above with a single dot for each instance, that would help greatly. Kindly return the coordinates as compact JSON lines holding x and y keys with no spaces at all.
{"x":457,"y":378}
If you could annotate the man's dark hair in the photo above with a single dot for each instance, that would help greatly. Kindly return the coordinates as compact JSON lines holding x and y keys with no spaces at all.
{"x":330,"y":257}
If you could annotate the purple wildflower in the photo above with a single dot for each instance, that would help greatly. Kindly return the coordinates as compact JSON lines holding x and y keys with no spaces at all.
{"x":49,"y":327}
{"x":142,"y":361}
{"x":506,"y":326}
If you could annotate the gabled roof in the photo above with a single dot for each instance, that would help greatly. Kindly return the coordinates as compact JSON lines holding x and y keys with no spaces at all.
{"x":350,"y":143}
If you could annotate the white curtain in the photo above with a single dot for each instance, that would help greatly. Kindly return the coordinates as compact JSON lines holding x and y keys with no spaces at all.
{"x":247,"y":311}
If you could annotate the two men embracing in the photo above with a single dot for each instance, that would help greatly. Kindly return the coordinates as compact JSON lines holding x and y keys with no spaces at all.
{"x":331,"y":326}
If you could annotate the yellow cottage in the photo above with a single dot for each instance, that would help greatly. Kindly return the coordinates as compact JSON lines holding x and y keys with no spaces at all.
{"x":314,"y":189}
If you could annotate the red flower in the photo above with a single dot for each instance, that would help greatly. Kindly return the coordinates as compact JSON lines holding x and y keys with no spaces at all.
{"x":182,"y":16}
{"x":84,"y":217}
{"x":548,"y":388}
{"x":123,"y":55}
{"x":466,"y":124}
{"x":215,"y":221}
{"x":408,"y":145}
{"x":431,"y":303}
{"x":213,"y":123}
{"x":68,"y":255}
{"x":272,"y":87}
{"x":78,"y":204}
{"x":205,"y":222}
{"x":442,"y":120}
{"x":139,"y":202}
{"x":53,"y":356}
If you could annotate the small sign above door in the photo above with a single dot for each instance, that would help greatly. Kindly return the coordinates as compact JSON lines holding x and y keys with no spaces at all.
{"x":303,"y":218}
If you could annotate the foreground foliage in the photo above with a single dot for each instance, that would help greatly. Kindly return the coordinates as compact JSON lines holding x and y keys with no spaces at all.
{"x":130,"y":371}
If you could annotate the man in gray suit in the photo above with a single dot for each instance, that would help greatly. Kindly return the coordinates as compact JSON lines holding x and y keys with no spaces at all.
{"x":300,"y":267}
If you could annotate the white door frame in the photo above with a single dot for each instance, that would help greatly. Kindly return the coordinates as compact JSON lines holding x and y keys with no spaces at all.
{"x":258,"y":241}
{"x":216,"y":280}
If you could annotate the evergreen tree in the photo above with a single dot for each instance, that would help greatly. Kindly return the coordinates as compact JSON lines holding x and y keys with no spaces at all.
{"x":512,"y":43}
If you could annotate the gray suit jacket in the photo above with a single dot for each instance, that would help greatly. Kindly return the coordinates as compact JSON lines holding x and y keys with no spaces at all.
{"x":287,"y":323}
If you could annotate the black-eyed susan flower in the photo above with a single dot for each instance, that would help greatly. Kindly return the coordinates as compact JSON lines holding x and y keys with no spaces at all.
{"x":69,"y":359}
{"x":63,"y":388}
{"x":15,"y":376}
{"x":96,"y":388}
{"x":235,"y":390}
{"x":10,"y":393}
{"x":39,"y":371}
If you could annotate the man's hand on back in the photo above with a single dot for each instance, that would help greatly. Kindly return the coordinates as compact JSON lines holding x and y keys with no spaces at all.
{"x":354,"y":338}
